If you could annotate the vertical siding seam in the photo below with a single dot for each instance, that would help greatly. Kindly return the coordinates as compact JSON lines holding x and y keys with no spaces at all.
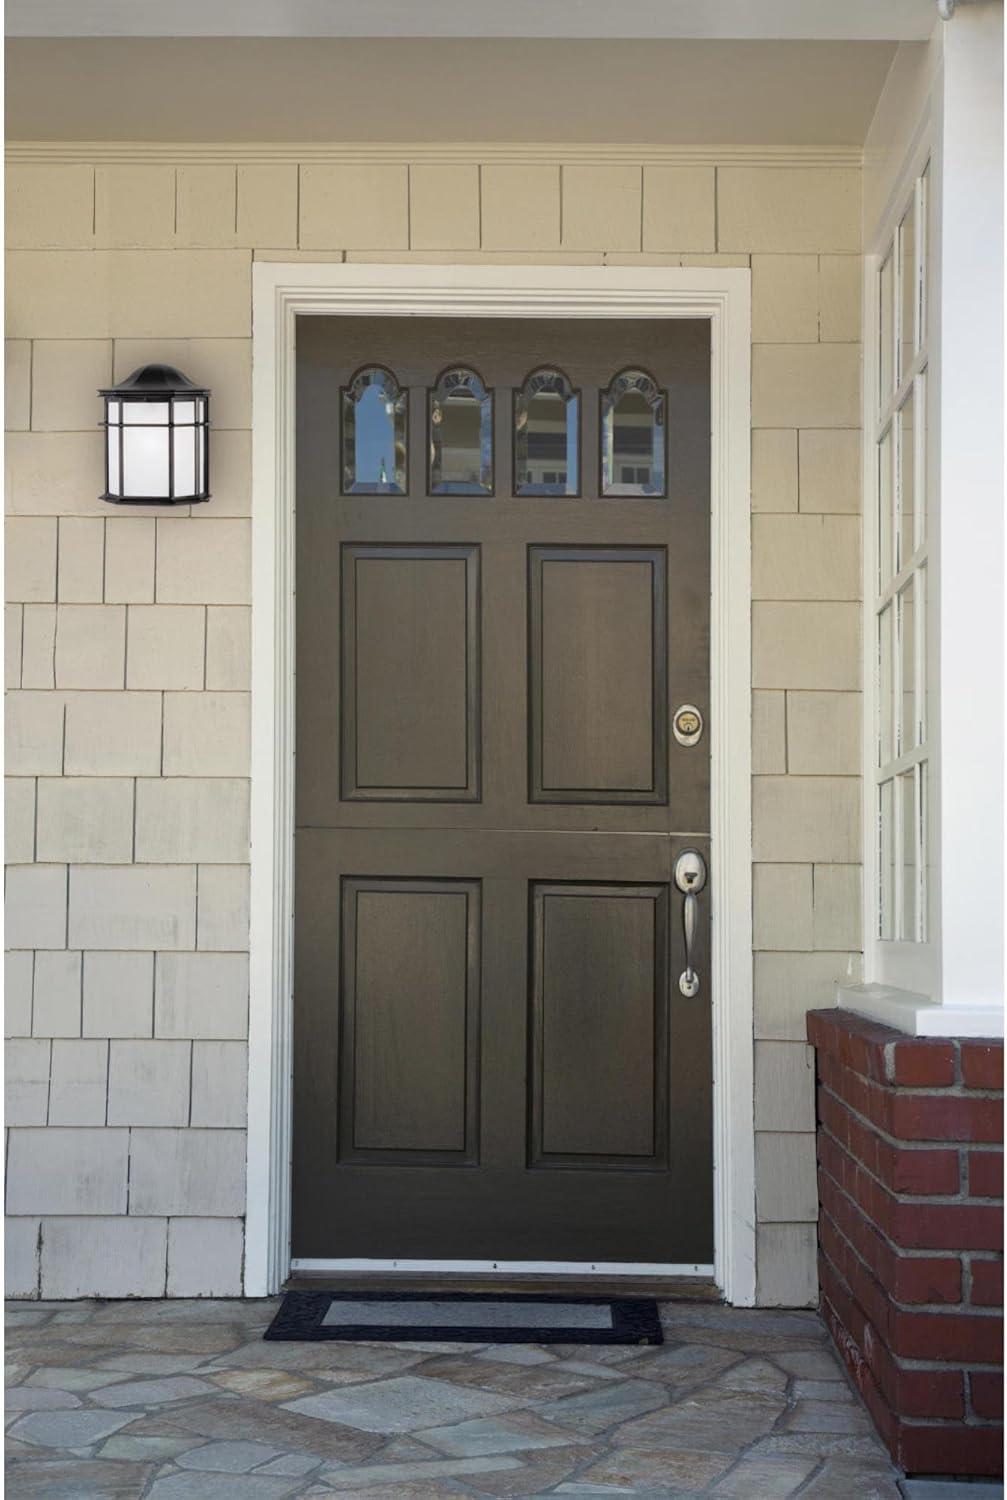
{"x":479,"y":200}
{"x":48,"y":1084}
{"x":716,"y":212}
{"x":235,"y":200}
{"x":409,"y":206}
{"x":31,"y":383}
{"x":108,"y":1067}
{"x":642,"y":173}
{"x":560,"y":170}
{"x":192,"y":1048}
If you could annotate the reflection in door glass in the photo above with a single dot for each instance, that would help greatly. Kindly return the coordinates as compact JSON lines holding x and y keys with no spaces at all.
{"x":546,"y":435}
{"x":633,"y":436}
{"x":461,"y":435}
{"x":374,"y":434}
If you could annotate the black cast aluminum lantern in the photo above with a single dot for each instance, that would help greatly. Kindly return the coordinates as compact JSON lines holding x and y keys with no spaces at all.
{"x":156,"y":439}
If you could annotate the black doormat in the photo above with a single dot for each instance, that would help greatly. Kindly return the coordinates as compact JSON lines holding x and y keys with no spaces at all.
{"x":408,"y":1317}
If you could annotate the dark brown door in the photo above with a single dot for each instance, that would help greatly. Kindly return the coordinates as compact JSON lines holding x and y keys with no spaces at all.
{"x":502,"y":599}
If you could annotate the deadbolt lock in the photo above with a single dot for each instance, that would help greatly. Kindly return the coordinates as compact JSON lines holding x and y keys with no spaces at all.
{"x":687,"y":724}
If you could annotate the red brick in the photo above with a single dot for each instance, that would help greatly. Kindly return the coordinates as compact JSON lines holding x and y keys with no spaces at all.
{"x":946,"y":1336}
{"x":919,"y":1064}
{"x":930,"y":1393}
{"x":987,"y":1283}
{"x":949,"y":1449}
{"x":945,"y":1226}
{"x":987,"y":1387}
{"x":986,"y":1174}
{"x":925,"y":1278}
{"x":857,"y":1043}
{"x":944,"y":1117}
{"x":983,"y":1065}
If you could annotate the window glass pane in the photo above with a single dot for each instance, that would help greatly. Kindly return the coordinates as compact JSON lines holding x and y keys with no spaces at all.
{"x":921,"y":646}
{"x":885,"y":507}
{"x":907,"y":667}
{"x":633,"y":436}
{"x":907,"y":481}
{"x":924,"y":252}
{"x":909,"y":280}
{"x":886,"y":861}
{"x":886,"y":333}
{"x":920,"y":467}
{"x":461,"y":435}
{"x":886,"y":684}
{"x":546,"y":435}
{"x":374,"y":435}
{"x":924,"y":846}
{"x":909,"y":828}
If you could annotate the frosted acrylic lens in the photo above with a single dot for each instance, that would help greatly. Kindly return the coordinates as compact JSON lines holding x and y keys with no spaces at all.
{"x":144,"y":462}
{"x":185,"y":462}
{"x":113,"y":460}
{"x":185,"y":413}
{"x":145,"y":413}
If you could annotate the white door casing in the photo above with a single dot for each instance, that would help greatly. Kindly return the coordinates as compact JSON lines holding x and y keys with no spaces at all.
{"x":281,"y":293}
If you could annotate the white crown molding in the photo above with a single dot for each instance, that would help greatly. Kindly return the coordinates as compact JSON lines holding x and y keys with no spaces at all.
{"x":110,"y":153}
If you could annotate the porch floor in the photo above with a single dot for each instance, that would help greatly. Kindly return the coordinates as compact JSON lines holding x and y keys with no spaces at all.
{"x":183,"y":1401}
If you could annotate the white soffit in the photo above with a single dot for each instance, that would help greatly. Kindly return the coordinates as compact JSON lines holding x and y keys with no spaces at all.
{"x":792,"y":94}
{"x":769,"y":20}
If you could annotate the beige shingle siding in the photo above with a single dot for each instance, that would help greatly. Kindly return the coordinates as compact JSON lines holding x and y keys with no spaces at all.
{"x":128,"y":659}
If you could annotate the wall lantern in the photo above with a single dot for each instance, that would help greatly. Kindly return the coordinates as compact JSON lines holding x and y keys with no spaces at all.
{"x":156,"y":439}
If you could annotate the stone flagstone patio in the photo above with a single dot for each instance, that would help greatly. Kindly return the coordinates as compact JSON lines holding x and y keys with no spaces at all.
{"x":183,"y":1401}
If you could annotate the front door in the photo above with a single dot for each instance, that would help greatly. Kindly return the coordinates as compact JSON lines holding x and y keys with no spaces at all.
{"x":502,"y":603}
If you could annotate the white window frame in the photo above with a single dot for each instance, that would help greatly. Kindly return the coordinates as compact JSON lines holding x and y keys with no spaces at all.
{"x":283,"y":291}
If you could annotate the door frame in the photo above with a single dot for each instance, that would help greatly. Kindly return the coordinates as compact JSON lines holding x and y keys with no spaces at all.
{"x":283,"y":291}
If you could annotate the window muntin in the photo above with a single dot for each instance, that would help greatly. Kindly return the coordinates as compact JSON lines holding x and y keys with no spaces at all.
{"x":902,"y":758}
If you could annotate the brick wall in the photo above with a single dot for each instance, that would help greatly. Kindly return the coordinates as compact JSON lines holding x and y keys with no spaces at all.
{"x":910,"y":1171}
{"x":128,"y":667}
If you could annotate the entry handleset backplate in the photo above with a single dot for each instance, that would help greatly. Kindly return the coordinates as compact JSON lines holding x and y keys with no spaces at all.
{"x":690,"y":878}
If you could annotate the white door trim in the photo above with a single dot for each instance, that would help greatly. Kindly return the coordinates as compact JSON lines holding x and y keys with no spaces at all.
{"x":281,"y":293}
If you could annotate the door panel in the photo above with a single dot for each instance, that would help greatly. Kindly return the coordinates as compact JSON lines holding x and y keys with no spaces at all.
{"x":410,"y":968}
{"x":597,"y":672}
{"x":599,"y":1014}
{"x":410,"y":689}
{"x":492,"y":1055}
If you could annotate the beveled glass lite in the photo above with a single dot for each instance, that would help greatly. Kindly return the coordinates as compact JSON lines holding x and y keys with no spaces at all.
{"x":156,"y":439}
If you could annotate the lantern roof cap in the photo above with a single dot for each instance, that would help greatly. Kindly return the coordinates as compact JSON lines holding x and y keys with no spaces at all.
{"x":152,"y":381}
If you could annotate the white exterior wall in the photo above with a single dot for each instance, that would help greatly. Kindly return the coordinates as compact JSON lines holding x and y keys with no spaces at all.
{"x":128,"y":671}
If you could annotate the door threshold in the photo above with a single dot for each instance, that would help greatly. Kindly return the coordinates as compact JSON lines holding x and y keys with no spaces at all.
{"x":501,"y":1279}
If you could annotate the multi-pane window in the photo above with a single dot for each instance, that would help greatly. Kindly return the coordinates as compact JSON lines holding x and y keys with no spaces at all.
{"x":902,"y":757}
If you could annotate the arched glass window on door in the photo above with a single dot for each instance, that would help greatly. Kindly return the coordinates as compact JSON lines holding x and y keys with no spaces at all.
{"x":633,"y":436}
{"x":461,"y":434}
{"x":547,"y":435}
{"x":374,"y":434}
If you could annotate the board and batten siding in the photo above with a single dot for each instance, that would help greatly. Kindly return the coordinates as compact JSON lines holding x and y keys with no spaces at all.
{"x":128,"y":658}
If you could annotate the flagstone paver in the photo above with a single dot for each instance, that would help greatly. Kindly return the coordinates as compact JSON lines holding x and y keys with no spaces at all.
{"x":185,"y":1401}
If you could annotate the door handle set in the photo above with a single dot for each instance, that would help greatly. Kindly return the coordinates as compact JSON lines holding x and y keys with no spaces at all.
{"x":690,"y":878}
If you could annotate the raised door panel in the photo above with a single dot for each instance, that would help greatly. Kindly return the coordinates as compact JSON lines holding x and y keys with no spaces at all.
{"x":410,"y":683}
{"x":410,"y":1018}
{"x":597,"y":674}
{"x":599,"y":1008}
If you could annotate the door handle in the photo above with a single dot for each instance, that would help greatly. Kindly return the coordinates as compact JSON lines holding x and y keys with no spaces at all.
{"x":690,"y":878}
